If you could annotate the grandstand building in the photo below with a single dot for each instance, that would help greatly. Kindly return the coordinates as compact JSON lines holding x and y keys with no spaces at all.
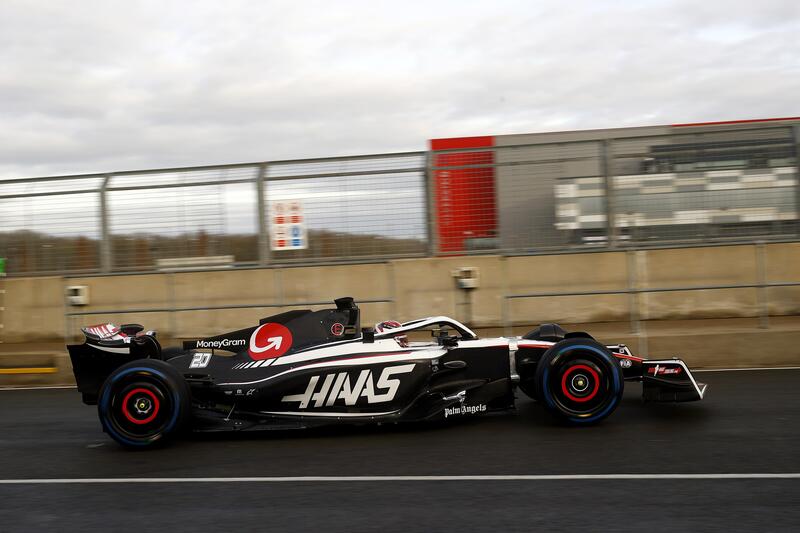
{"x":628,"y":186}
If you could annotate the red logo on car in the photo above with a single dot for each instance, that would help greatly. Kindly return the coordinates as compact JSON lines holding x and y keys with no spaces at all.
{"x":269,"y":340}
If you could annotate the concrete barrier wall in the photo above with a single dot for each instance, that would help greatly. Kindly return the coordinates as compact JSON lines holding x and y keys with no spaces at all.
{"x":783,"y":264}
{"x":568,"y":273}
{"x":728,"y":265}
{"x":35,"y":309}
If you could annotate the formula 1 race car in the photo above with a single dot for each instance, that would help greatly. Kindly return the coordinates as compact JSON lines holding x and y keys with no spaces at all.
{"x":305,"y":368}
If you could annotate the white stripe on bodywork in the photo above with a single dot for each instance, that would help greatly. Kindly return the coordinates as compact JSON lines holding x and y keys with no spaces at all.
{"x":330,"y":415}
{"x":110,"y":349}
{"x":354,"y":348}
{"x":419,"y":354}
{"x":380,"y":345}
{"x":498,"y":342}
{"x":252,"y":364}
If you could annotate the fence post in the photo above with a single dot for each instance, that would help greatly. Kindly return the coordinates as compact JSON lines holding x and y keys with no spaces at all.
{"x":505,"y":304}
{"x":263,"y":233}
{"x":105,"y":236}
{"x":761,"y":273}
{"x":796,"y":145}
{"x":508,"y":329}
{"x":633,"y":292}
{"x":608,"y":176}
{"x":430,"y":200}
{"x":173,"y":304}
{"x":2,"y":295}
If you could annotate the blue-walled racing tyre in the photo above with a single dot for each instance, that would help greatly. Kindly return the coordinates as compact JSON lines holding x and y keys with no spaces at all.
{"x":579,"y":381}
{"x":144,"y":403}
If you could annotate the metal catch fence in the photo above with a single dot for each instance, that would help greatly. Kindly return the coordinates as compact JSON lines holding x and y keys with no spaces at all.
{"x":223,"y":216}
{"x":615,"y":192}
{"x":607,"y":189}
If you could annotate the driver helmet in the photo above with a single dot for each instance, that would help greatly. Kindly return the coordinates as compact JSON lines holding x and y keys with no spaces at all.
{"x":382,"y":327}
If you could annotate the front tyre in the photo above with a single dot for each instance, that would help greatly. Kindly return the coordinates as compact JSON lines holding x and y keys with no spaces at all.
{"x":143,"y":403}
{"x":579,"y":381}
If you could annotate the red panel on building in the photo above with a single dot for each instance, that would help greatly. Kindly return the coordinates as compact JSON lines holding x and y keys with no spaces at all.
{"x":465,"y":197}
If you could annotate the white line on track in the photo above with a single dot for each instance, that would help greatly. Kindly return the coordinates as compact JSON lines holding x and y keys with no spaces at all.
{"x":350,"y":479}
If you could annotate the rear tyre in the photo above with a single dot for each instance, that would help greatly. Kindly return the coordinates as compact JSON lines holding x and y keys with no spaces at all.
{"x":144,"y":403}
{"x":579,"y":381}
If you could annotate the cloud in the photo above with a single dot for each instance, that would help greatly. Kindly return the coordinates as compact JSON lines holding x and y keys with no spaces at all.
{"x":103,"y":86}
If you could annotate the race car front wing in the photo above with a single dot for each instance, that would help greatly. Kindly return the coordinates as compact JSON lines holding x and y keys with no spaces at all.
{"x":670,"y":380}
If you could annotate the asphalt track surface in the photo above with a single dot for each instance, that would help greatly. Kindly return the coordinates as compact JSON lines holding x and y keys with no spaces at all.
{"x":749,"y":423}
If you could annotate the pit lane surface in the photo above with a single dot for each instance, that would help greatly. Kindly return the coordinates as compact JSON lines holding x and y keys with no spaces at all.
{"x":749,"y":423}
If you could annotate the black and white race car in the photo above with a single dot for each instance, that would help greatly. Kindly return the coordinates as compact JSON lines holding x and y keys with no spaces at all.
{"x":304,"y":368}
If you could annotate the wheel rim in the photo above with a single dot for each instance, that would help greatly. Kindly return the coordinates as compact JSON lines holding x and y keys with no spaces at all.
{"x":581,"y":384}
{"x":141,"y":408}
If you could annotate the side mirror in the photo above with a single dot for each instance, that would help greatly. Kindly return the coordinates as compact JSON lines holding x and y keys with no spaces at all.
{"x":367,"y":335}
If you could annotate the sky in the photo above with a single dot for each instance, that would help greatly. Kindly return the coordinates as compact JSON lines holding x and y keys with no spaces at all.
{"x":98,"y":86}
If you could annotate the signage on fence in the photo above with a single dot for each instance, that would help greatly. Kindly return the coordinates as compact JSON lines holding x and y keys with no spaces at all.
{"x":2,"y":266}
{"x":288,"y":226}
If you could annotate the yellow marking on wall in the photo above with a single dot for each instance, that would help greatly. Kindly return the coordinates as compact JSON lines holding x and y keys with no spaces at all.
{"x":40,"y":370}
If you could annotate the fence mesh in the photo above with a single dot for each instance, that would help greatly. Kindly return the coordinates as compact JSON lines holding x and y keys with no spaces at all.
{"x":50,"y":234}
{"x":366,"y":206}
{"x":353,"y":208}
{"x":714,"y":186}
{"x":593,"y":191}
{"x":526,"y":198}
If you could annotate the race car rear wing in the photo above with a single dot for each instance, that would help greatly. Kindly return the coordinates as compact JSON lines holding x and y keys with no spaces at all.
{"x":105,"y":348}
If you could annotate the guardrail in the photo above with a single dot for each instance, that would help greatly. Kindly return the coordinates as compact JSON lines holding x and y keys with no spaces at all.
{"x":633,"y":290}
{"x":633,"y":308}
